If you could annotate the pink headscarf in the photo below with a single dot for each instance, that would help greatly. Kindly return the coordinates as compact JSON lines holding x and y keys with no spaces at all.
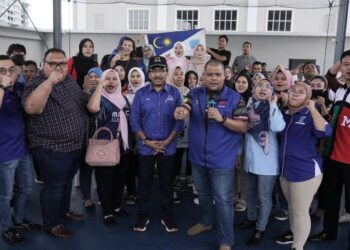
{"x":119,"y":101}
{"x":287,"y":74}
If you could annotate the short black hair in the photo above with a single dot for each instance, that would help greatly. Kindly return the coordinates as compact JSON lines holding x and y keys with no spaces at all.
{"x":54,"y":50}
{"x":257,"y":63}
{"x":30,"y":62}
{"x":4,"y":57}
{"x":223,"y":36}
{"x":248,"y":42}
{"x":16,"y":47}
{"x":344,"y":54}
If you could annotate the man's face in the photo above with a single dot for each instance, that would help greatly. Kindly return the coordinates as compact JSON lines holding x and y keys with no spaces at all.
{"x":345,"y":69}
{"x":246,"y":49}
{"x":28,"y":71}
{"x":55,"y":62}
{"x":310,"y":71}
{"x":157,"y":75}
{"x":222,"y":43}
{"x":257,"y":68}
{"x":9,"y":70}
{"x":214,"y":78}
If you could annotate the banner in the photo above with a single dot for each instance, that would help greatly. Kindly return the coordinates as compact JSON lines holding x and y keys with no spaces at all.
{"x":163,"y":43}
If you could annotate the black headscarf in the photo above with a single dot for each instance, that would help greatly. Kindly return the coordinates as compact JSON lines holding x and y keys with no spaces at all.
{"x":81,"y":63}
{"x":248,"y":93}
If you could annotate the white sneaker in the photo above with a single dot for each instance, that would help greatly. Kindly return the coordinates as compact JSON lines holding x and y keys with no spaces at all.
{"x":344,"y":218}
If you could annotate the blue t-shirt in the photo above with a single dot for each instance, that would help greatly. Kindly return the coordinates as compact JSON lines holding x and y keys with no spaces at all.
{"x":12,"y":132}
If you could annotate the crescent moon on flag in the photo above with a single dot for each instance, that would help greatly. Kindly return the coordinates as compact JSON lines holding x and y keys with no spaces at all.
{"x":155,"y":43}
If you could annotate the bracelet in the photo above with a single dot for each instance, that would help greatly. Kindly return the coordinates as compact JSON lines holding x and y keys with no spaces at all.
{"x":224,"y":118}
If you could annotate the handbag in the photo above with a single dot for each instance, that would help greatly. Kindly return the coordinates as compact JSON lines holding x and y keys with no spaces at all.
{"x":102,"y":152}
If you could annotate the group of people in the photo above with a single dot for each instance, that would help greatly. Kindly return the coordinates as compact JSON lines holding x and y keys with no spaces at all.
{"x":248,"y":135}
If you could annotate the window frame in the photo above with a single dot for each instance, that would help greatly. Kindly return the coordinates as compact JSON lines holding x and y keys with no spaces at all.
{"x":273,"y":20}
{"x":187,"y":9}
{"x":225,"y":9}
{"x":138,"y":9}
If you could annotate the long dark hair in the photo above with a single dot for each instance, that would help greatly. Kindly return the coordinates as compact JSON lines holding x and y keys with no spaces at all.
{"x":187,"y":75}
{"x":248,"y":93}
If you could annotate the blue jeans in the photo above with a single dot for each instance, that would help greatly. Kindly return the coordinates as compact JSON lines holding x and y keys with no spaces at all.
{"x":57,"y":170}
{"x":19,"y":171}
{"x":259,"y":192}
{"x":217,"y":184}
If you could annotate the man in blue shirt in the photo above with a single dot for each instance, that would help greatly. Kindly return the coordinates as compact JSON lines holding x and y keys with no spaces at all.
{"x":218,"y":117}
{"x":15,"y":159}
{"x":155,"y":127}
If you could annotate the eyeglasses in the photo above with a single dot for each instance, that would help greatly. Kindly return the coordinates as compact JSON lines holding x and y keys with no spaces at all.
{"x":11,"y":71}
{"x":54,"y":65}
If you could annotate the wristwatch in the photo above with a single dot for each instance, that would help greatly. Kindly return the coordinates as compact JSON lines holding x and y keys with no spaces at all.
{"x":144,"y":141}
{"x":224,"y":118}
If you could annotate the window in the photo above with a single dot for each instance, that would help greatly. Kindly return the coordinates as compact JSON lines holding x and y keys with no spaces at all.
{"x":186,"y":19}
{"x":225,"y":20}
{"x":279,"y":20}
{"x":138,"y":19}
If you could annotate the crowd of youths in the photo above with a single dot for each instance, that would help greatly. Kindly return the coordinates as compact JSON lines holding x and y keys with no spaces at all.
{"x":250,"y":138}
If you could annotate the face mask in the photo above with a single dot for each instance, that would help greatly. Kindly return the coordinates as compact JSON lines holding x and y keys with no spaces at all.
{"x":316,"y":93}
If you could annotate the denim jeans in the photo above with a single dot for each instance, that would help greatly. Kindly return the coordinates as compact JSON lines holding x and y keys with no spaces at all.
{"x":217,"y":184}
{"x":259,"y":192}
{"x":19,"y":171}
{"x":57,"y":170}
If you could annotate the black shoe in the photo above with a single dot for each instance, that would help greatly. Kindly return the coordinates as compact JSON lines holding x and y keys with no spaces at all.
{"x":12,"y":236}
{"x":142,"y":222}
{"x":246,"y":224}
{"x":322,"y":236}
{"x":169,"y":224}
{"x":257,"y":237}
{"x":285,"y":238}
{"x":176,"y":198}
{"x":26,"y":226}
{"x":121,"y":213}
{"x":109,"y":220}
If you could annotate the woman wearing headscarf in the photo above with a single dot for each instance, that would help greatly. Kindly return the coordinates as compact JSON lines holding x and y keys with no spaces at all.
{"x":147,"y":53}
{"x":198,"y":60}
{"x":243,"y":85}
{"x":113,"y":112}
{"x":301,"y":164}
{"x":282,"y":81}
{"x":79,"y":65}
{"x":177,"y":58}
{"x":136,"y":80}
{"x":261,"y":157}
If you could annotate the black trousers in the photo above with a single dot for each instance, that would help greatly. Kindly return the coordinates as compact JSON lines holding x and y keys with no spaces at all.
{"x":165,"y":169}
{"x":131,"y":174}
{"x":336,"y":175}
{"x":110,"y":184}
{"x":178,"y":162}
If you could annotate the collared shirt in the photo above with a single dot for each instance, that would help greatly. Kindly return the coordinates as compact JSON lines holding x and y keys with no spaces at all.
{"x":299,"y":157}
{"x":62,"y":124}
{"x":242,"y":61}
{"x":153,"y":113}
{"x":12,"y":133}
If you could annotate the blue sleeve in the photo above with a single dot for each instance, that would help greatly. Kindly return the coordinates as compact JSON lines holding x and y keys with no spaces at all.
{"x":135,"y":118}
{"x":179,"y":125}
{"x":319,"y":134}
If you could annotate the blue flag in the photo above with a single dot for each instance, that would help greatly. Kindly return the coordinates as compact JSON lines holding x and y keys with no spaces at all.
{"x":163,"y":42}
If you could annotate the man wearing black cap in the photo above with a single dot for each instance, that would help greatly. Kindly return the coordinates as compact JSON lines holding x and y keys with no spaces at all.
{"x":155,"y":127}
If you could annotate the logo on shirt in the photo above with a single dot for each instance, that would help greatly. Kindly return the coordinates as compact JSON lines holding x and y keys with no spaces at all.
{"x":169,"y":99}
{"x":346,"y":122}
{"x":115,"y":117}
{"x":222,"y":103}
{"x":301,"y":120}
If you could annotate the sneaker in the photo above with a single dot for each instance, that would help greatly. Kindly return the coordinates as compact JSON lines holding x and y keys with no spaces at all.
{"x":198,"y":228}
{"x":120,"y":212}
{"x":141,"y":224}
{"x":240,"y":206}
{"x":196,"y":200}
{"x":285,"y":238}
{"x":70,"y":215}
{"x":131,"y":200}
{"x":109,"y":220}
{"x":26,"y":226}
{"x":12,"y":236}
{"x":176,"y":198}
{"x":344,"y":218}
{"x":38,"y":181}
{"x":169,"y":224}
{"x":189,"y":181}
{"x":281,"y":215}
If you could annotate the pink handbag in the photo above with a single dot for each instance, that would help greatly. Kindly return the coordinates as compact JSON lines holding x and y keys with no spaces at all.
{"x":101,"y":152}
